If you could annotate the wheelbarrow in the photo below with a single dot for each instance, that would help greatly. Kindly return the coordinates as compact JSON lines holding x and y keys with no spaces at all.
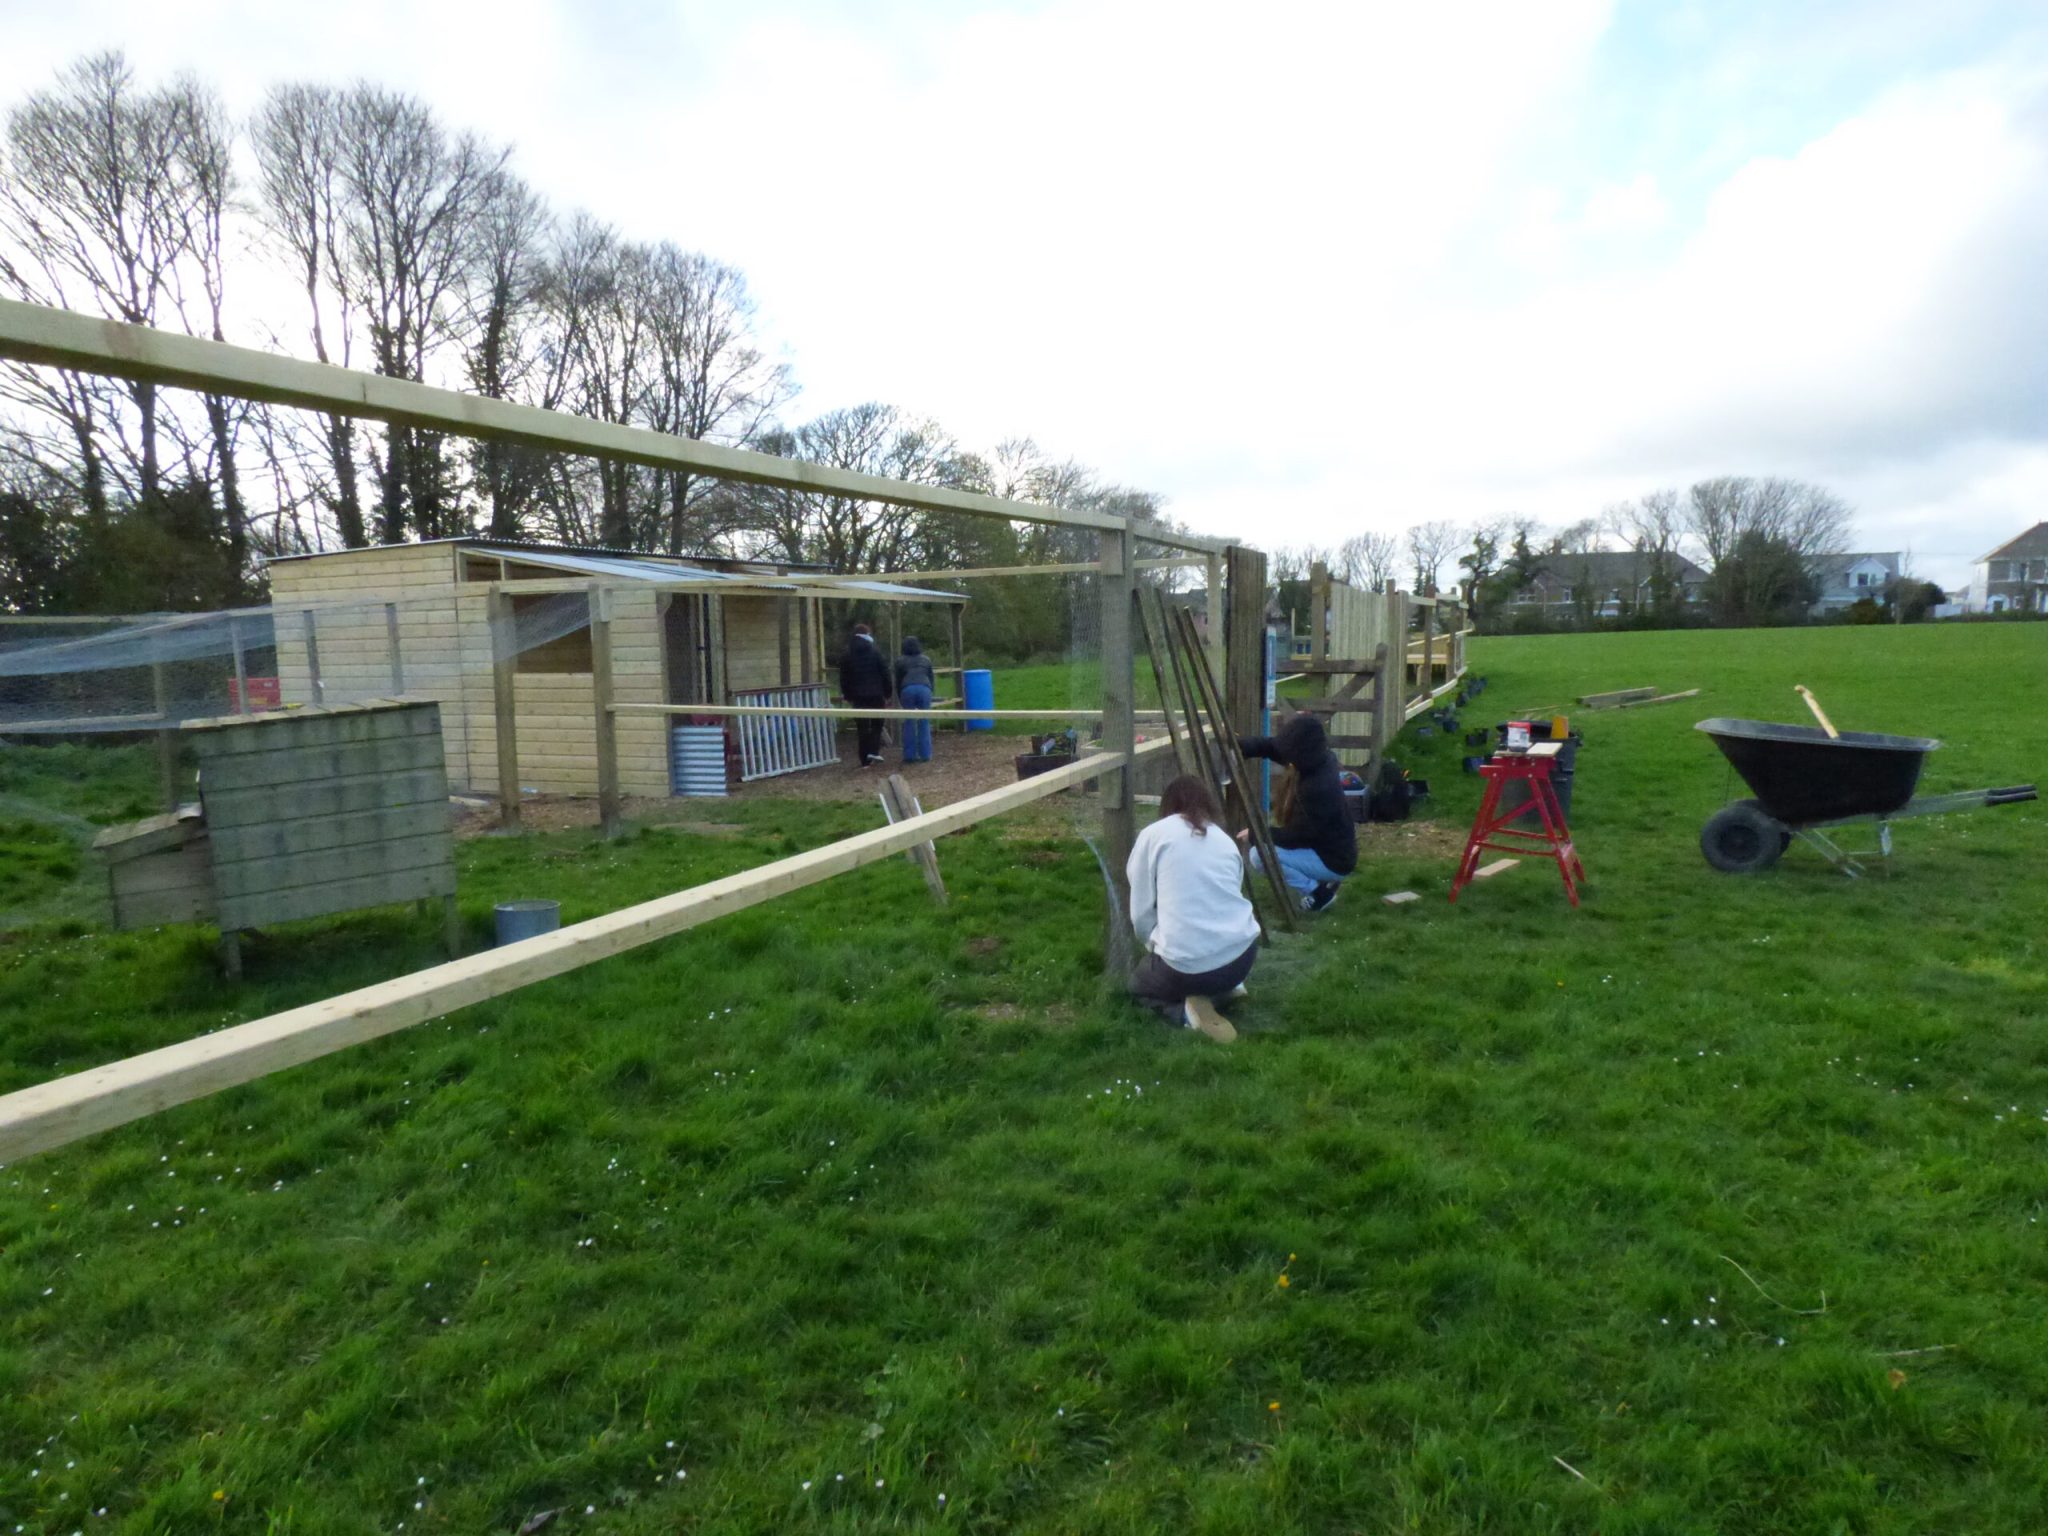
{"x":1809,"y":780}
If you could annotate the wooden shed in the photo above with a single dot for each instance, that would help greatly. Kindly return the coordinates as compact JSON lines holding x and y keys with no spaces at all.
{"x":417,"y":620}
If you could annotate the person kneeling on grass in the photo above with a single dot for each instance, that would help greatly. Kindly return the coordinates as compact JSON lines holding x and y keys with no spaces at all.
{"x":1189,"y":909}
{"x":1316,"y":839}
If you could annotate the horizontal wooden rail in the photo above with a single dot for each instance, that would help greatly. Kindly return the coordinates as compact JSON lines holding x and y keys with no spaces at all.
{"x":1070,"y":568}
{"x":36,"y":333}
{"x":850,"y":712}
{"x":52,"y":1114}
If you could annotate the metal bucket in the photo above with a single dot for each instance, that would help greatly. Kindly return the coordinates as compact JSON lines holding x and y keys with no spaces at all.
{"x":526,"y":920}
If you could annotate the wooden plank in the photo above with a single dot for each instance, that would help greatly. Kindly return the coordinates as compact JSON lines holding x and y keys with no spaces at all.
{"x":1329,"y":665}
{"x":297,"y":765}
{"x":152,"y":834}
{"x":34,"y":333}
{"x":1212,"y":617}
{"x":274,"y":730}
{"x":397,"y":656}
{"x":899,"y":804}
{"x":1615,"y":696}
{"x":326,"y":866}
{"x":1244,"y":685}
{"x":1333,"y":704}
{"x":331,"y":797}
{"x":311,"y":639}
{"x":505,"y":707}
{"x":189,"y":903}
{"x":1662,"y":698}
{"x":65,"y":1110}
{"x":1498,"y":866}
{"x":1117,"y":589}
{"x":166,"y":741}
{"x":1397,"y":898}
{"x":321,"y":900}
{"x":165,"y":870}
{"x":604,"y":723}
{"x":304,"y":834}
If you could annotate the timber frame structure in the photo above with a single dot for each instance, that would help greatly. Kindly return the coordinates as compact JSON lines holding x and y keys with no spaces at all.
{"x":54,"y":1113}
{"x":1374,"y":660}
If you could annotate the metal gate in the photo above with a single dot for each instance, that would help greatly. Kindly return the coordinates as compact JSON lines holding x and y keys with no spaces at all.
{"x":776,"y":744}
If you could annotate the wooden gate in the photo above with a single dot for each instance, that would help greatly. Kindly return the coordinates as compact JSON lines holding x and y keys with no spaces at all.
{"x":1370,"y":673}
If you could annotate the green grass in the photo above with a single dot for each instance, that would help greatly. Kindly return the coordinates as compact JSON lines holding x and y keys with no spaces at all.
{"x":53,"y":801}
{"x":848,"y":1186}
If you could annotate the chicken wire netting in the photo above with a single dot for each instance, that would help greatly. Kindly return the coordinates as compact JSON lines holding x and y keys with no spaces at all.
{"x":150,"y":672}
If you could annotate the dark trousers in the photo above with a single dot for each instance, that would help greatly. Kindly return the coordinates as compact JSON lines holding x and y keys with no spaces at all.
{"x":868,"y":733}
{"x":1163,"y":989}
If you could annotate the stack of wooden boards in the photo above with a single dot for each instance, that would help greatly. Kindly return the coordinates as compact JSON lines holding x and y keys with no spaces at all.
{"x":302,"y":813}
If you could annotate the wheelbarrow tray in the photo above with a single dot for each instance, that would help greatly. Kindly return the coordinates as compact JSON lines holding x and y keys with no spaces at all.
{"x":1804,"y":777}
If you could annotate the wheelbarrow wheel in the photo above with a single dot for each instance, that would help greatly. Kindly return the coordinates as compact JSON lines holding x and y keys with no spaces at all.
{"x":1743,"y":839}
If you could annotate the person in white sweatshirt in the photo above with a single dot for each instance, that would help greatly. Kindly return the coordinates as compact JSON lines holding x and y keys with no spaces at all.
{"x":1189,"y":909}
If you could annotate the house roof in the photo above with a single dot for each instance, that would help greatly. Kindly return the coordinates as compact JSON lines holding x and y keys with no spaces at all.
{"x":1889,"y":559}
{"x":1613,"y":568}
{"x":2031,"y":545}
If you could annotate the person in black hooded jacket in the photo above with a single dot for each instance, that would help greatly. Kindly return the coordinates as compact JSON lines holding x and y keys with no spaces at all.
{"x":1317,"y":841}
{"x":864,"y":683}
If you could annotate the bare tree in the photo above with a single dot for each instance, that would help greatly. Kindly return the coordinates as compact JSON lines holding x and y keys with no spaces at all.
{"x":1811,"y":520}
{"x":95,"y":211}
{"x":297,"y":136}
{"x":413,"y":197}
{"x":1652,"y":525}
{"x":1367,"y":560}
{"x":1429,"y":545}
{"x":710,"y":381}
{"x":503,"y":356}
{"x":600,"y":300}
{"x":850,"y":533}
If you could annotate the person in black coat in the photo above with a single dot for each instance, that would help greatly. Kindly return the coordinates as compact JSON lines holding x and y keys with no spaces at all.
{"x":1317,"y":841}
{"x":864,"y":683}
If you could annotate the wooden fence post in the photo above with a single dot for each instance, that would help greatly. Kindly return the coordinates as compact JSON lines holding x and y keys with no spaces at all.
{"x":783,"y":605}
{"x":1213,"y":616}
{"x":1119,"y":732}
{"x":166,"y":738}
{"x":504,"y":658}
{"x":1319,"y":613}
{"x":1244,"y":650}
{"x":601,"y":700}
{"x":957,"y":629}
{"x":391,"y":639}
{"x":241,"y":666}
{"x":313,"y":682}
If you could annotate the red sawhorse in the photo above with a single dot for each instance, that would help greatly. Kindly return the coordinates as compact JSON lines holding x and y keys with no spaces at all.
{"x":1492,"y":823}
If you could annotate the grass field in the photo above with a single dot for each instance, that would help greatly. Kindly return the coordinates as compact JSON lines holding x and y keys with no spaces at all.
{"x":869,"y":1216}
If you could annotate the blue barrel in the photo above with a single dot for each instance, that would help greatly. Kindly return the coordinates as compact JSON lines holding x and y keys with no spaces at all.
{"x":527,"y":920}
{"x":978,"y":691}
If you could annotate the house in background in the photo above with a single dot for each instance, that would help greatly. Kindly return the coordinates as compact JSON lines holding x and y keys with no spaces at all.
{"x":2014,"y":576}
{"x":1847,"y":579}
{"x":1605,"y":582}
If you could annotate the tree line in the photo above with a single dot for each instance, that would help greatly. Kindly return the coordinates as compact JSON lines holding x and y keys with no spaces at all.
{"x":351,"y":224}
{"x":1762,"y":542}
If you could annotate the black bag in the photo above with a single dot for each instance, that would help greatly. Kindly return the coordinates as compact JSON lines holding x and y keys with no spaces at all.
{"x":1391,"y":799}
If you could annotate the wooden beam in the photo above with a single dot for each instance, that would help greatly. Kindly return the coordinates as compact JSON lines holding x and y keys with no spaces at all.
{"x":505,"y":705}
{"x":34,"y":333}
{"x":606,"y":722}
{"x":1212,"y":604}
{"x":850,"y":712}
{"x":1072,"y":568}
{"x":70,"y":1108}
{"x":241,"y":663}
{"x":166,"y":740}
{"x":314,"y":685}
{"x":899,"y":804}
{"x":1118,"y":586}
{"x":391,"y":643}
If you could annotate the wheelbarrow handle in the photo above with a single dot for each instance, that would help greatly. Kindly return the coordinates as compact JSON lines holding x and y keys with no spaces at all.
{"x":1819,"y":714}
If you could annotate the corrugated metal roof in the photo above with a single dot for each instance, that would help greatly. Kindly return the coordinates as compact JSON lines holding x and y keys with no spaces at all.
{"x":624,"y":569}
{"x":890,"y":589}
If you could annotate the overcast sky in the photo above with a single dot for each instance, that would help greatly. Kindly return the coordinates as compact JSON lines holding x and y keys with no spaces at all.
{"x":1304,"y":268}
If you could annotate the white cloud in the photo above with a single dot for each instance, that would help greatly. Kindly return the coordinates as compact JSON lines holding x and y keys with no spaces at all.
{"x":1297,"y":267}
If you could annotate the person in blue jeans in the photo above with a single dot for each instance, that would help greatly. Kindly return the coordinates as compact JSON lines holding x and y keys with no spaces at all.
{"x":1315,"y":841}
{"x":914,"y":691}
